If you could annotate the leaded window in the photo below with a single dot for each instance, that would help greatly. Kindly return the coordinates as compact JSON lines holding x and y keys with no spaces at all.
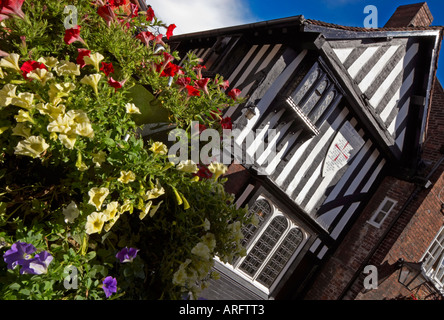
{"x":271,"y":245}
{"x":264,"y":245}
{"x":262,"y":210}
{"x":280,"y":257}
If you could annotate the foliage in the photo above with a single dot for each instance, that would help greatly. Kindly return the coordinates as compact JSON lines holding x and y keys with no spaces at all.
{"x":78,"y":182}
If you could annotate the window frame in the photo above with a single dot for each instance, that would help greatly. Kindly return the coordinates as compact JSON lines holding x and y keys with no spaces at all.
{"x":275,"y":212}
{"x":375,"y":214}
{"x":428,"y":266}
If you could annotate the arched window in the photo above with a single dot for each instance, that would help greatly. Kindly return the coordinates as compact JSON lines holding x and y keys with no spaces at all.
{"x":262,"y":210}
{"x":281,"y":257}
{"x":269,"y":238}
{"x":271,"y":246}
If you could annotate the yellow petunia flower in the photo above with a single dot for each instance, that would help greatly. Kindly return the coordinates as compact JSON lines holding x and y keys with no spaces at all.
{"x":145,"y":210}
{"x":126,"y":206}
{"x":99,"y":158}
{"x":33,"y":147}
{"x":41,"y":75}
{"x":50,"y":62}
{"x":131,"y":108}
{"x":201,"y":250}
{"x":111,"y":210}
{"x":93,"y":81}
{"x":217,"y":169}
{"x":69,"y":140}
{"x":62,"y":124}
{"x":94,"y":222}
{"x":59,"y":90}
{"x":187,"y":166}
{"x":11,"y":62}
{"x":23,"y":116}
{"x":24,"y":100}
{"x":7,"y":93}
{"x":94,"y":60}
{"x":22,"y":130}
{"x":78,"y":116}
{"x":159,"y":148}
{"x":127,"y":176}
{"x":67,"y":68}
{"x":97,"y":196}
{"x":85,"y":130}
{"x":52,"y":110}
{"x":154,"y":193}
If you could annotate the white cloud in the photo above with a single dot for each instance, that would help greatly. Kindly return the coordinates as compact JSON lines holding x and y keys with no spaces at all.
{"x":199,"y":15}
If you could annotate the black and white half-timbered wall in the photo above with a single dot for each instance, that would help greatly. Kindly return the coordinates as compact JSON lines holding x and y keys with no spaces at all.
{"x":329,"y":112}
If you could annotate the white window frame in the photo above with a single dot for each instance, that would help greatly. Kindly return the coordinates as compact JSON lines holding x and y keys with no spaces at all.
{"x":379,"y":210}
{"x":435,"y":252}
{"x":275,"y":212}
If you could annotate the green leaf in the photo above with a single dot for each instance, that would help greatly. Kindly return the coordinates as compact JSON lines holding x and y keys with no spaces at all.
{"x":25,"y":292}
{"x":14,"y":286}
{"x":90,"y":255}
{"x":109,"y":142}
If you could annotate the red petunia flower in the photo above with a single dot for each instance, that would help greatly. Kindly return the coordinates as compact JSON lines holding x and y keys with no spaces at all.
{"x":199,"y":68}
{"x":183,"y":82}
{"x":234,"y":93}
{"x":29,"y":66}
{"x":170,"y":29}
{"x":146,"y":37}
{"x":117,"y":3}
{"x":192,"y":91}
{"x":107,"y":13}
{"x":203,"y":172}
{"x":202,"y":84}
{"x":224,"y":84}
{"x":107,"y":68}
{"x":116,"y":84}
{"x":134,"y":10}
{"x":10,"y":8}
{"x":170,"y":70}
{"x":150,"y":14}
{"x":226,"y":123}
{"x":82,"y":54}
{"x":73,"y":35}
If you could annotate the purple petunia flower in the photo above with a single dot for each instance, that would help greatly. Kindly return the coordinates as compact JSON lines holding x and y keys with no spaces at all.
{"x":19,"y":254}
{"x":109,"y":286}
{"x":37,"y":265}
{"x":127,"y":255}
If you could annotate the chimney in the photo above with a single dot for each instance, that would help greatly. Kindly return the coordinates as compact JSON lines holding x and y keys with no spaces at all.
{"x":411,"y":15}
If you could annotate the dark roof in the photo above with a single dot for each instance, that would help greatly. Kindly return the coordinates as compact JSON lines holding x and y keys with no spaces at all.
{"x":361,"y":29}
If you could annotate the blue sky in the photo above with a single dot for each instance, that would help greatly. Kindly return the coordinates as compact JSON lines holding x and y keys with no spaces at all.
{"x":200,"y":15}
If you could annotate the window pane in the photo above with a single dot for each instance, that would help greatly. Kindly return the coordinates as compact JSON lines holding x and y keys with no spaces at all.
{"x":280,"y":257}
{"x":387,"y":206}
{"x":298,"y":95}
{"x":264,"y":245}
{"x":379,"y":217}
{"x":262,"y":209}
